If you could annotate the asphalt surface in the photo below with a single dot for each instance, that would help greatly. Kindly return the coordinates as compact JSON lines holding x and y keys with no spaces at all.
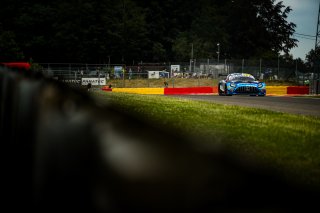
{"x":294,"y":105}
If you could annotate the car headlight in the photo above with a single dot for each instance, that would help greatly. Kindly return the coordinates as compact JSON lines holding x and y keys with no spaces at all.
{"x":260,"y":85}
{"x":232,"y":85}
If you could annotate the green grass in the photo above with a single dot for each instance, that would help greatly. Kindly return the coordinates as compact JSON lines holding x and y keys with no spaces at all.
{"x":287,"y":143}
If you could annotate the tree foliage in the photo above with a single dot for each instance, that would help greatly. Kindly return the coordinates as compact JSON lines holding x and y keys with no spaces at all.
{"x":313,"y":59}
{"x":313,"y":55}
{"x":92,"y":31}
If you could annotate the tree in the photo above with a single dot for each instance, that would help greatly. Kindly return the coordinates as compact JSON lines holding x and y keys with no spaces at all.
{"x":89,"y":31}
{"x":257,"y":27}
{"x":207,"y":30}
{"x":9,"y":49}
{"x":182,"y":47}
{"x":31,"y":23}
{"x":313,"y":55}
{"x":278,"y":31}
{"x":313,"y":59}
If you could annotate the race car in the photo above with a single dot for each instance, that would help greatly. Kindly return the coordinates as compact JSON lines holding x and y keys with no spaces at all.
{"x":241,"y":84}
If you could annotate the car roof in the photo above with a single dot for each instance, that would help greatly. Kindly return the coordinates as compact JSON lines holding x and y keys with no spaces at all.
{"x":233,"y":76}
{"x":243,"y":74}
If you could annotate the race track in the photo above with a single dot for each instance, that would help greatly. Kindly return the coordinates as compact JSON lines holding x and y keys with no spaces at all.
{"x":295,"y":105}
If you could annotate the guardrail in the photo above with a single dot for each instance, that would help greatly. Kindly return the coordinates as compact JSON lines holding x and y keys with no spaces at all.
{"x":271,"y":90}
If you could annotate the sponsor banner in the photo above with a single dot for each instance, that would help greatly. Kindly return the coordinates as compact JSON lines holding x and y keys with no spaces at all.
{"x":118,"y":71}
{"x":158,"y":74}
{"x":153,"y":74}
{"x":93,"y":81}
{"x":175,"y":68}
{"x":71,"y":81}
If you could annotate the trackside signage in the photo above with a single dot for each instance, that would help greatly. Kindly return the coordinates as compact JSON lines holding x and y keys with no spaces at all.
{"x":70,"y":81}
{"x":93,"y":81}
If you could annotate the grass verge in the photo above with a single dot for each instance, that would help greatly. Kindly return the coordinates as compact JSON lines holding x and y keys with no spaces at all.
{"x":288,"y":143}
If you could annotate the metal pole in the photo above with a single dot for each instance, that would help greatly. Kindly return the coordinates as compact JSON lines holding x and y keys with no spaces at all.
{"x":242,"y":65}
{"x":191,"y":60}
{"x":124,"y":81}
{"x":98,"y":76}
{"x":297,"y":80}
{"x":191,"y":50}
{"x":316,"y":81}
{"x":228,"y":67}
{"x":198,"y":79}
{"x":260,"y":67}
{"x":218,"y":52}
{"x":278,"y":66}
{"x":317,"y":33}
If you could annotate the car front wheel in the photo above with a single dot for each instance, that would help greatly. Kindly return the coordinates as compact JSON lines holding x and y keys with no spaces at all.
{"x":219,"y":90}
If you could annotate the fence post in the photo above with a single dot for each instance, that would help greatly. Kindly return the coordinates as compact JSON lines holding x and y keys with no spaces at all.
{"x":260,"y":70}
{"x":297,"y":80}
{"x":242,"y":65}
{"x":278,"y":67}
{"x":228,"y":67}
{"x":123,"y":76}
{"x":99,"y":77}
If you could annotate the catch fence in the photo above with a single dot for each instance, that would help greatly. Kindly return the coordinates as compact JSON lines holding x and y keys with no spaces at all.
{"x":196,"y":69}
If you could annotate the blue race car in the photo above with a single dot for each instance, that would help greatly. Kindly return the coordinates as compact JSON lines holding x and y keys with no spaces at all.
{"x":241,"y":84}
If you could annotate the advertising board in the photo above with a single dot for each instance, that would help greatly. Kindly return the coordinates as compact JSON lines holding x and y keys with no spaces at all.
{"x":93,"y":81}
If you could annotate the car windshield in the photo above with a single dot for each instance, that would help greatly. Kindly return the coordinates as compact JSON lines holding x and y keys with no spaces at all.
{"x":241,"y":78}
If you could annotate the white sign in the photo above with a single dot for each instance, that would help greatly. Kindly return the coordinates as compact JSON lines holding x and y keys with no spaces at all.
{"x":70,"y":81}
{"x":175,"y":68}
{"x":158,"y":74}
{"x":93,"y":81}
{"x":153,"y":74}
